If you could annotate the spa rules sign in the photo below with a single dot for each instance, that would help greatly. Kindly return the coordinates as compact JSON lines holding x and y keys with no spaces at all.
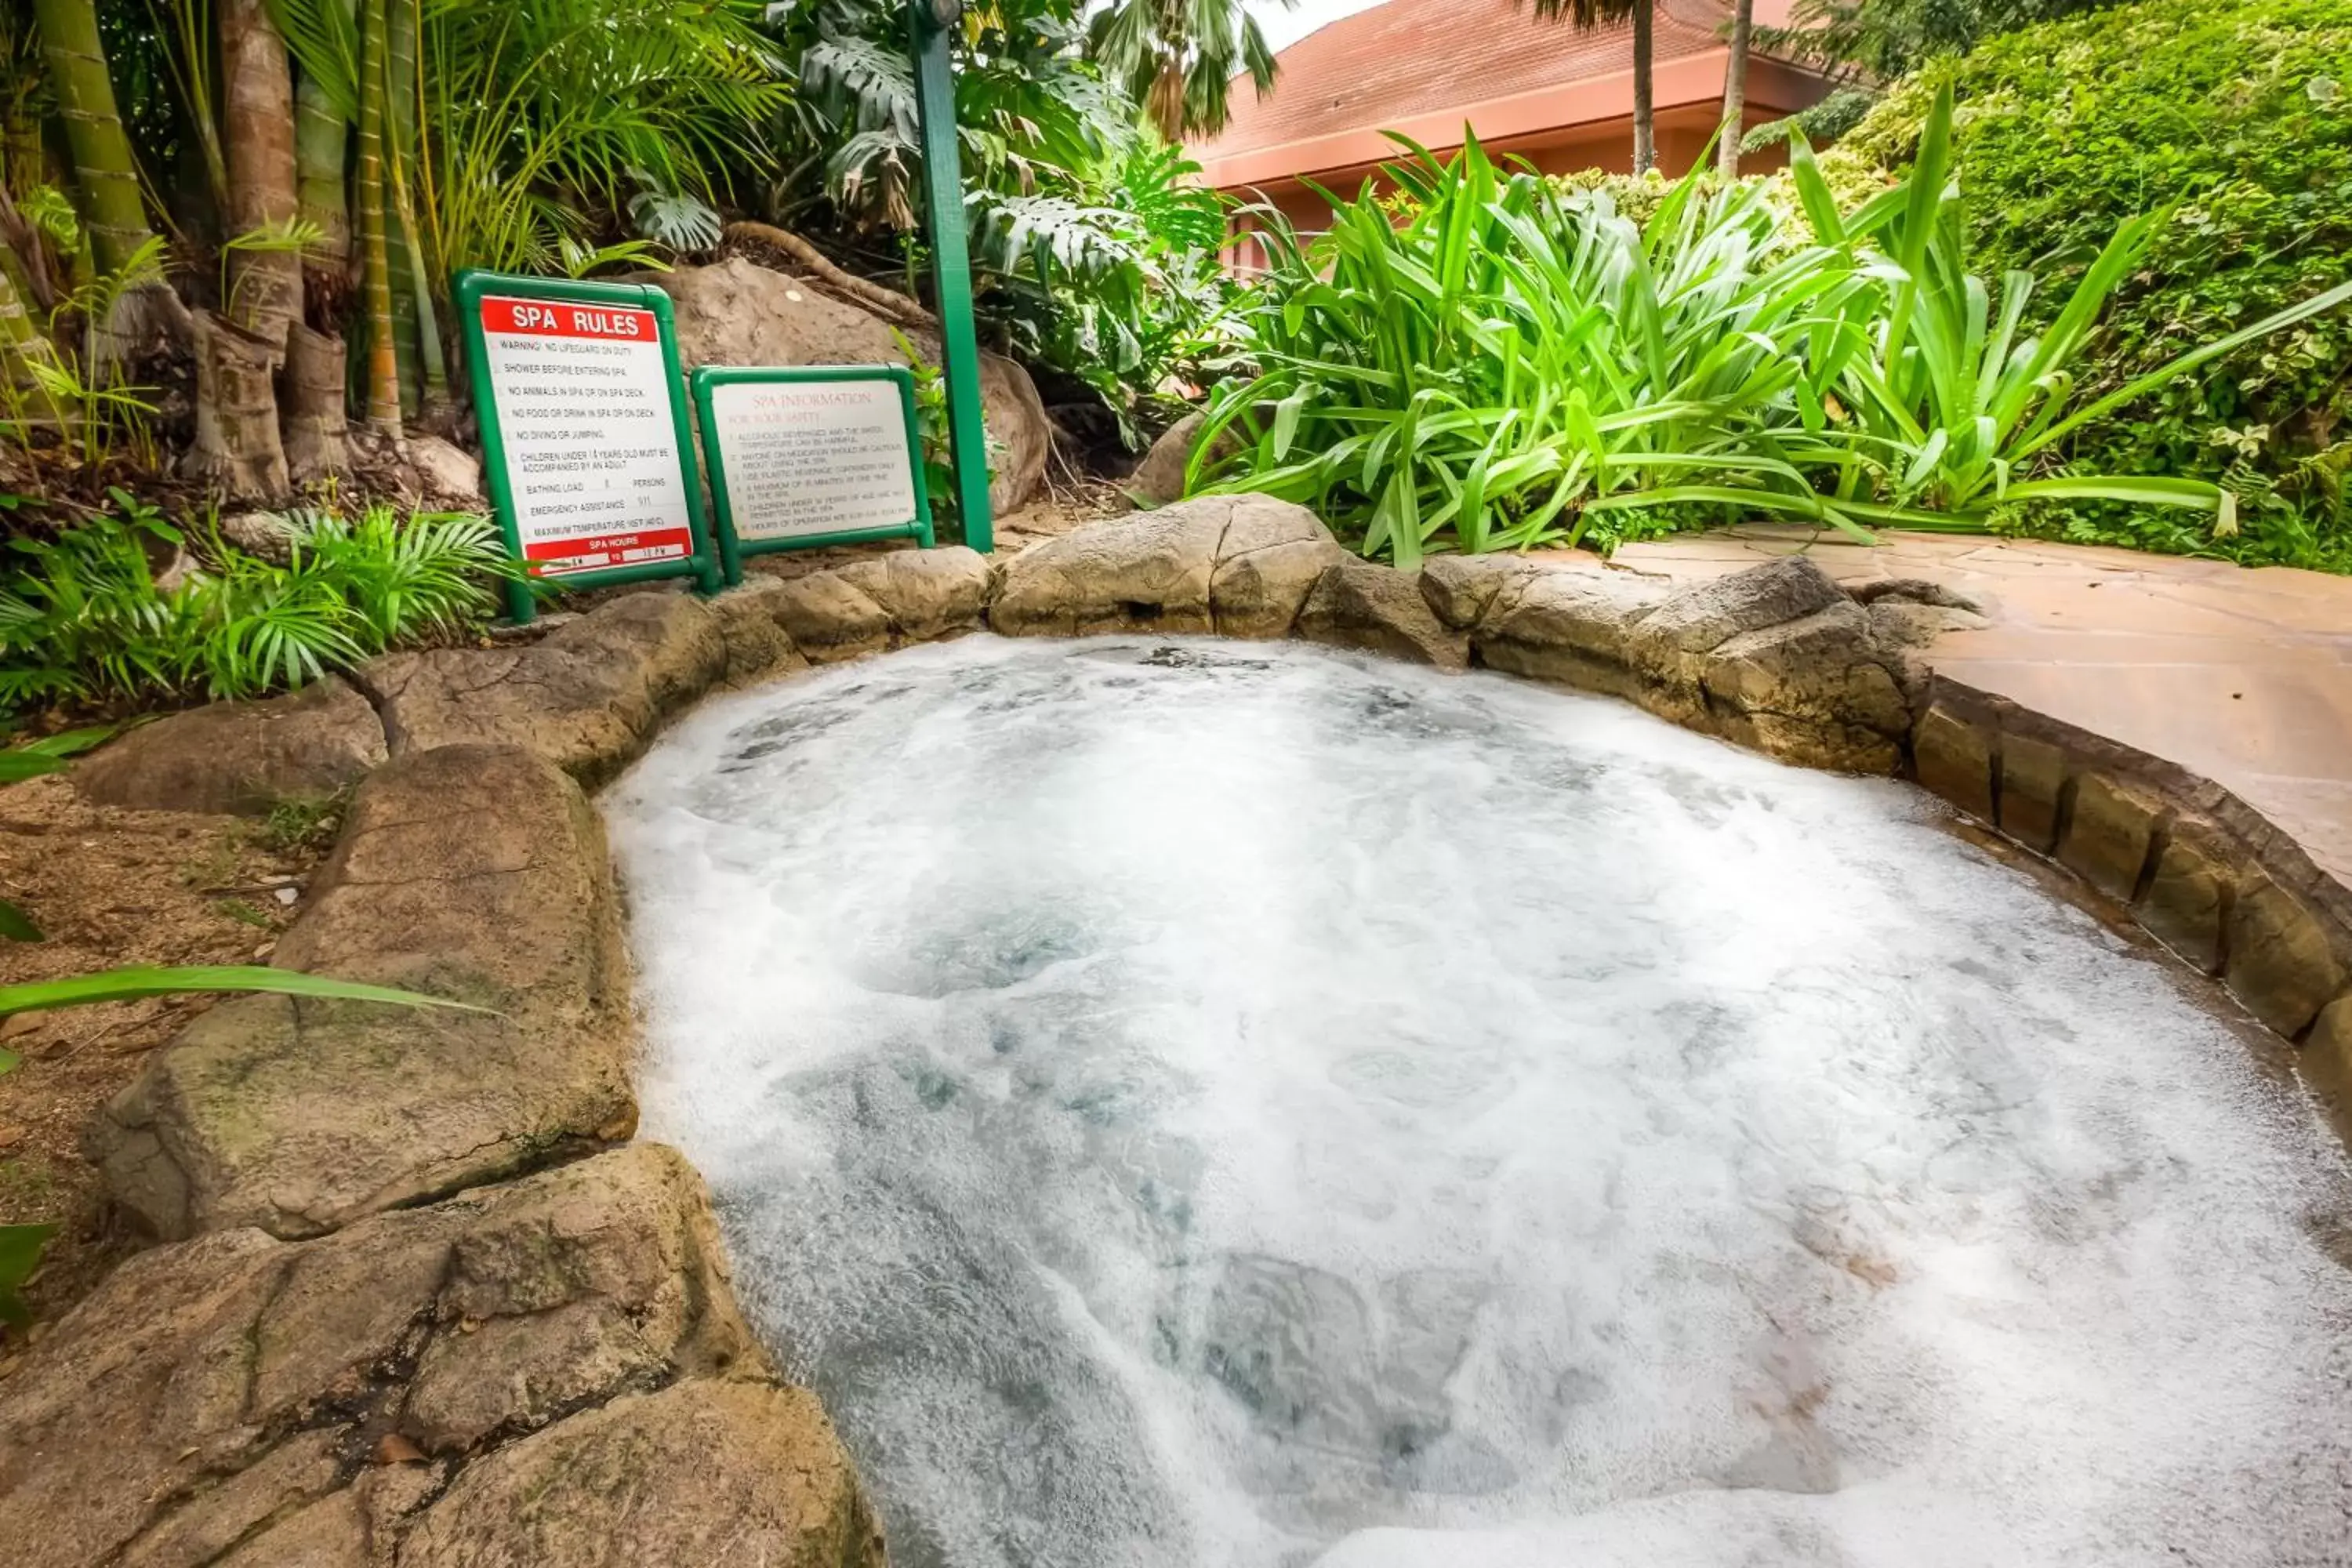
{"x":585,"y":442}
{"x":592,"y":452}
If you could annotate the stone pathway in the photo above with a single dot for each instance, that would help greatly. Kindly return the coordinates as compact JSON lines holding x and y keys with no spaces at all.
{"x":2245,"y":676}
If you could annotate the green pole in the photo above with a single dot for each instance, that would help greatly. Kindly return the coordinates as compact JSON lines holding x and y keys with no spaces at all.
{"x":930,"y":21}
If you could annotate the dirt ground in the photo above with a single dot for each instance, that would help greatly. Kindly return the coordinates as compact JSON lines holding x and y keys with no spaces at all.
{"x":110,"y":888}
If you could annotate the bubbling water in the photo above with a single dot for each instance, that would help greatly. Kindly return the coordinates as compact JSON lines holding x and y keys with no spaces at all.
{"x":1223,"y":1104}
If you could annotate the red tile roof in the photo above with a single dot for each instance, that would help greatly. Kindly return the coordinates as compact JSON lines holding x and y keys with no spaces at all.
{"x":1413,"y":58}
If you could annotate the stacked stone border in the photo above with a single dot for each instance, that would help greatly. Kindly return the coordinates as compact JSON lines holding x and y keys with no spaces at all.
{"x":422,"y":1302}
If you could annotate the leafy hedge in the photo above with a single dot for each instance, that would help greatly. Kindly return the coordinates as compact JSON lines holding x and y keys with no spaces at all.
{"x":2237,"y":119}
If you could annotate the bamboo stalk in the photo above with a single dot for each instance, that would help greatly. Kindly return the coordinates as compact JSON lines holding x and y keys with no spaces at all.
{"x":103,"y":167}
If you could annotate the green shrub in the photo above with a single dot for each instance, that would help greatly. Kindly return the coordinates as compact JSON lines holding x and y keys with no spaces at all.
{"x":2235,"y":124}
{"x":1495,"y":363}
{"x":83,"y":618}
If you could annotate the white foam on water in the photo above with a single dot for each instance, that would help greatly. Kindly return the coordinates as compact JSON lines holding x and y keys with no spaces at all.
{"x":1235,"y":1104}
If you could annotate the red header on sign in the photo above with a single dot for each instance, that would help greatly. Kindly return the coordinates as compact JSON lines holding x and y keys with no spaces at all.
{"x":553,"y":319}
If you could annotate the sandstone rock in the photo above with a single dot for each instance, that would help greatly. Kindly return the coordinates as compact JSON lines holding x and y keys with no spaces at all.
{"x":1815,"y":691}
{"x":739,"y":312}
{"x":264,"y":534}
{"x":475,"y":872}
{"x":757,"y":644}
{"x":701,"y":1474}
{"x":1954,"y":759}
{"x":2188,"y":896}
{"x":210,"y":1388}
{"x":1461,"y":589}
{"x":829,"y":618}
{"x":1907,"y":622}
{"x":1571,"y":628}
{"x":2108,"y":834}
{"x":1158,"y":479}
{"x":1150,"y":572}
{"x":925,"y":595}
{"x":1356,"y":604}
{"x":2327,"y":1056}
{"x":2281,"y":963}
{"x":240,"y":756}
{"x":136,"y":1393}
{"x":587,"y":697}
{"x":446,"y":472}
{"x":1691,"y":623}
{"x":2032,"y":778}
{"x":1268,"y":561}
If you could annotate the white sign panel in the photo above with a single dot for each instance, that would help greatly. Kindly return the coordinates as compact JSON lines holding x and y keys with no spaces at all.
{"x":818,"y":457}
{"x":584,"y":414}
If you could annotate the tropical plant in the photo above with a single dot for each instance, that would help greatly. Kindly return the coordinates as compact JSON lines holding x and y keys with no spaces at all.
{"x":87,"y":620}
{"x":2233,"y":126}
{"x":1179,"y":57}
{"x":1093,"y":248}
{"x":1513,"y":362}
{"x":1117,"y":283}
{"x":1882,"y":39}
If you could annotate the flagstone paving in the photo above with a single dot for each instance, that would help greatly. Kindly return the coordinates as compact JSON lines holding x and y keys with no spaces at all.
{"x":2245,"y":676}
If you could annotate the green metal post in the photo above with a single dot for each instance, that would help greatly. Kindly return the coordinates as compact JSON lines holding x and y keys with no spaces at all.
{"x":951,"y":264}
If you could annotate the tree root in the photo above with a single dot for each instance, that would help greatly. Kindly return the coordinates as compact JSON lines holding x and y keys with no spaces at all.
{"x":888,"y":303}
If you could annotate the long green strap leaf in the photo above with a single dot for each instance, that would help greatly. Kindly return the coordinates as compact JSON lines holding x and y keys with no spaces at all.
{"x":150,"y":980}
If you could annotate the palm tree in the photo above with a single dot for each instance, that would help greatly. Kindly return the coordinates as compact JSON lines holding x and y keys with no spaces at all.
{"x":1177,"y":57}
{"x":1587,"y":15}
{"x":1734,"y":90}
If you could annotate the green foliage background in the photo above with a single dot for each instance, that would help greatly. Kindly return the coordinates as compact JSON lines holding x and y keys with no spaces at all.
{"x":2238,"y":118}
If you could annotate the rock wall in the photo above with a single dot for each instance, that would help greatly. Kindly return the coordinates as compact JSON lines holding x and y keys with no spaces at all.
{"x":423,"y":1304}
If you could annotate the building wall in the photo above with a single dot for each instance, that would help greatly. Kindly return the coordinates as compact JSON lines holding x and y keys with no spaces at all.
{"x":1681,"y":135}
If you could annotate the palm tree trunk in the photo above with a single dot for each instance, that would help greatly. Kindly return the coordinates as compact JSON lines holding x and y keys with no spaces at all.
{"x":237,"y":446}
{"x":401,"y":106}
{"x":258,"y":103}
{"x":1735,"y":90}
{"x":1646,"y":143}
{"x":322,"y":127}
{"x":312,"y":416}
{"x":103,"y":168}
{"x":383,"y":360}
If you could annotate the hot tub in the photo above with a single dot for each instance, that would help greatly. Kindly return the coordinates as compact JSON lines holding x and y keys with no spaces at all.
{"x":1216,"y":1103}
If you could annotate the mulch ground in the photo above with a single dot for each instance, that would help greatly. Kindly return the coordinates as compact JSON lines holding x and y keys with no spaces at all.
{"x":109,"y":887}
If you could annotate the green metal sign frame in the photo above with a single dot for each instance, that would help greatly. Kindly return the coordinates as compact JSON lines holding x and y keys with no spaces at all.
{"x":928,"y":25}
{"x":470,"y":289}
{"x":732,"y":547}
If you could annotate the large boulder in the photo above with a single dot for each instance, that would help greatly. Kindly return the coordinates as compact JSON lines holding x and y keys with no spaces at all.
{"x":1356,"y":604}
{"x":240,"y":1399}
{"x":1778,"y":657}
{"x":1159,"y":478}
{"x":878,"y":602}
{"x":472,"y":872}
{"x":703,"y":1473}
{"x":740,"y":313}
{"x":1242,"y":566}
{"x":241,"y":756}
{"x":1571,"y":628}
{"x":1817,"y":691}
{"x":587,"y":697}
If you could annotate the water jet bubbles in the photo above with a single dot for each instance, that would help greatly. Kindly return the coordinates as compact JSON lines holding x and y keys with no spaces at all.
{"x":1202,"y":1103}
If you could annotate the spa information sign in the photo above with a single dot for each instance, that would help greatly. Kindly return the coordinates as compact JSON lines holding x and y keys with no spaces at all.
{"x":584,"y":434}
{"x":810,"y":456}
